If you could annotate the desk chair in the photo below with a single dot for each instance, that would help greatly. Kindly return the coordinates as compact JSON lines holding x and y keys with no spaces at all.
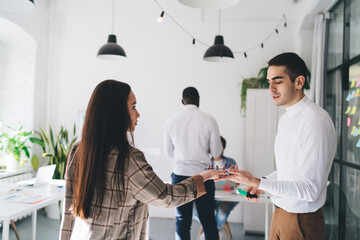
{"x":226,"y":228}
{"x":15,"y":229}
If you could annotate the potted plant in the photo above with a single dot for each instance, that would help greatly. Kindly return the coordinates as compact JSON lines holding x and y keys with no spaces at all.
{"x":56,"y":148}
{"x":13,"y":143}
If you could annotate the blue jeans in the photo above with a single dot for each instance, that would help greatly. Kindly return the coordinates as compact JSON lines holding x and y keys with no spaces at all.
{"x":223,"y":210}
{"x":205,"y":206}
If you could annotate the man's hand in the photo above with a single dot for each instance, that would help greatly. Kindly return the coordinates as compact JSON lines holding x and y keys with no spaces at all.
{"x":241,"y":176}
{"x":253,"y":190}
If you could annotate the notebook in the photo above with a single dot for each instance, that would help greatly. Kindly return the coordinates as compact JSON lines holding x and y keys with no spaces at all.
{"x":43,"y":176}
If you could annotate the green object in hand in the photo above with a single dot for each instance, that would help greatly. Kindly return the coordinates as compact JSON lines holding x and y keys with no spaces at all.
{"x":246,"y":194}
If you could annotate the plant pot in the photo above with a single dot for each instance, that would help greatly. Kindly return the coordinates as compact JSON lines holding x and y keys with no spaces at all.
{"x":10,"y":162}
{"x":53,"y":211}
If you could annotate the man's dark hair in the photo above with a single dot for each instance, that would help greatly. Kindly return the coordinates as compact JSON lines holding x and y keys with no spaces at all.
{"x":191,"y":95}
{"x":223,"y":141}
{"x":295,"y":66}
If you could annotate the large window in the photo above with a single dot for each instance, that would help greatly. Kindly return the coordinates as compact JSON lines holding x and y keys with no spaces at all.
{"x":342,"y":101}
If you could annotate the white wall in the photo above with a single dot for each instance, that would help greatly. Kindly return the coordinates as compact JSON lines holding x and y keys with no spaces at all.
{"x":36,"y":25}
{"x":161,"y":61}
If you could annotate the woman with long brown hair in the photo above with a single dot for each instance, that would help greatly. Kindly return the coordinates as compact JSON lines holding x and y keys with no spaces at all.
{"x":109,"y":183}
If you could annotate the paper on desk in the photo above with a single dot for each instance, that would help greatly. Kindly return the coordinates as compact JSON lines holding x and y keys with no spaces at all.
{"x":6,"y":189}
{"x":24,"y":197}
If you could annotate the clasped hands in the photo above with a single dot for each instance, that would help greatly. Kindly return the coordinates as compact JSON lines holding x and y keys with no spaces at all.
{"x":238,"y":176}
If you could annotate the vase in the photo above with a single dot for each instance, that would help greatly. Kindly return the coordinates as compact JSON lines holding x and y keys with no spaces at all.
{"x":53,"y":210}
{"x":10,"y":162}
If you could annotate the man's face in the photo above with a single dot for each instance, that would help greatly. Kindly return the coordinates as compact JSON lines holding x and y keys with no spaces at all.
{"x":283,"y":91}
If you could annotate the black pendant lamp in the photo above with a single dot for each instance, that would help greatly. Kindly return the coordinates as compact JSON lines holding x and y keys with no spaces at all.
{"x":111,"y":50}
{"x":218,"y":52}
{"x":17,"y":5}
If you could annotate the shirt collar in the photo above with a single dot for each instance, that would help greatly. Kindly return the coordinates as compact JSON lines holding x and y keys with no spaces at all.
{"x":190,"y":106}
{"x":297,"y":107}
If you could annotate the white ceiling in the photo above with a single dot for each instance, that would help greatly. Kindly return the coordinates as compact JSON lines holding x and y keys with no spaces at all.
{"x":246,"y":10}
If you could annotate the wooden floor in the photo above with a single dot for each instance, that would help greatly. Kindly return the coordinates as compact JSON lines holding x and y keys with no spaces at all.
{"x":160,"y":229}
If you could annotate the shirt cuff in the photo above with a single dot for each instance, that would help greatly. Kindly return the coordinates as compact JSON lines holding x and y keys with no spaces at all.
{"x":265,"y":184}
{"x":200,"y":187}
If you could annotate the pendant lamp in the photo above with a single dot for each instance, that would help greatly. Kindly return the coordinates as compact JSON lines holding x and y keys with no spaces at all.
{"x":111,"y":50}
{"x":218,"y":52}
{"x":17,"y":5}
{"x":209,"y":4}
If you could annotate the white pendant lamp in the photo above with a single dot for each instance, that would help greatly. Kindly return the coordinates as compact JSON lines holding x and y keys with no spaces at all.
{"x":111,"y":50}
{"x":209,"y":4}
{"x":17,"y":5}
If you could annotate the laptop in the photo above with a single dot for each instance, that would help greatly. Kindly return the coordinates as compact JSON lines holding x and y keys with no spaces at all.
{"x":43,"y":176}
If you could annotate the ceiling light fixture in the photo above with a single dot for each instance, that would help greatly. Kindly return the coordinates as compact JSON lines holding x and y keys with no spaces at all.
{"x":210,"y":4}
{"x":111,"y":50}
{"x":218,"y":52}
{"x":160,"y":19}
{"x":17,"y":5}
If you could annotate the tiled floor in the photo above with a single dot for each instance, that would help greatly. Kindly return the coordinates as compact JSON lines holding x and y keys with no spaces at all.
{"x":160,"y":229}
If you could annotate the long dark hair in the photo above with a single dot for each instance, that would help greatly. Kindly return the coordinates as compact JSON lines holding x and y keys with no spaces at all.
{"x":106,"y":124}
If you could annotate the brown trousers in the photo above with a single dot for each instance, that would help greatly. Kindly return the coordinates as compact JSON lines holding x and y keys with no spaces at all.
{"x":297,"y":226}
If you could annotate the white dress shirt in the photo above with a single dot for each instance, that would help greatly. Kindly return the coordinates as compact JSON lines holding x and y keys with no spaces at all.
{"x":305,"y":147}
{"x":190,"y":136}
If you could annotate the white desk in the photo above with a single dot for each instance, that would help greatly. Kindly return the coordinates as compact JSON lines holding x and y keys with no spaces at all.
{"x":11,"y":210}
{"x":233,"y":197}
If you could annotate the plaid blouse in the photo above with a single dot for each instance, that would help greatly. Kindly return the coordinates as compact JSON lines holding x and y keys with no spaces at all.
{"x":126,"y":219}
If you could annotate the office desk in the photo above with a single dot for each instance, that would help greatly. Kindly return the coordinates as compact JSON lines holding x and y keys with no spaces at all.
{"x":12,"y":210}
{"x":233,"y":197}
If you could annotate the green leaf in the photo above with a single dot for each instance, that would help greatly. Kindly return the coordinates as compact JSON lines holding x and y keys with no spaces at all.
{"x":44,"y":136}
{"x":38,"y":141}
{"x":25,"y":149}
{"x":35,"y":162}
{"x":52,"y":138}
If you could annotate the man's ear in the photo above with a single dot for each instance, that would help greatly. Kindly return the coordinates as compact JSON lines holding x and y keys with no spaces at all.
{"x":182,"y":101}
{"x":300,"y":82}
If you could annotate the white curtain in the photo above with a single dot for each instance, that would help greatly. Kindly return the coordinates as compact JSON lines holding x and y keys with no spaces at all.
{"x":317,"y":61}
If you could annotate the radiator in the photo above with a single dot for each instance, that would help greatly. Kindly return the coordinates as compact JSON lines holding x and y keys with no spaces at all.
{"x":15,"y":179}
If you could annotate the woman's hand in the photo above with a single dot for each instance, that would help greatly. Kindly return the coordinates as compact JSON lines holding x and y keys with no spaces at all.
{"x":213,"y":174}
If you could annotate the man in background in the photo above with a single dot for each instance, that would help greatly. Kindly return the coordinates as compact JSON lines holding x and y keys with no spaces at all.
{"x":191,"y":136}
{"x":223,"y":208}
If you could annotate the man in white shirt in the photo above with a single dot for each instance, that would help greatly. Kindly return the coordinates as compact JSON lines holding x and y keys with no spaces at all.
{"x":305,"y":147}
{"x":191,"y":138}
